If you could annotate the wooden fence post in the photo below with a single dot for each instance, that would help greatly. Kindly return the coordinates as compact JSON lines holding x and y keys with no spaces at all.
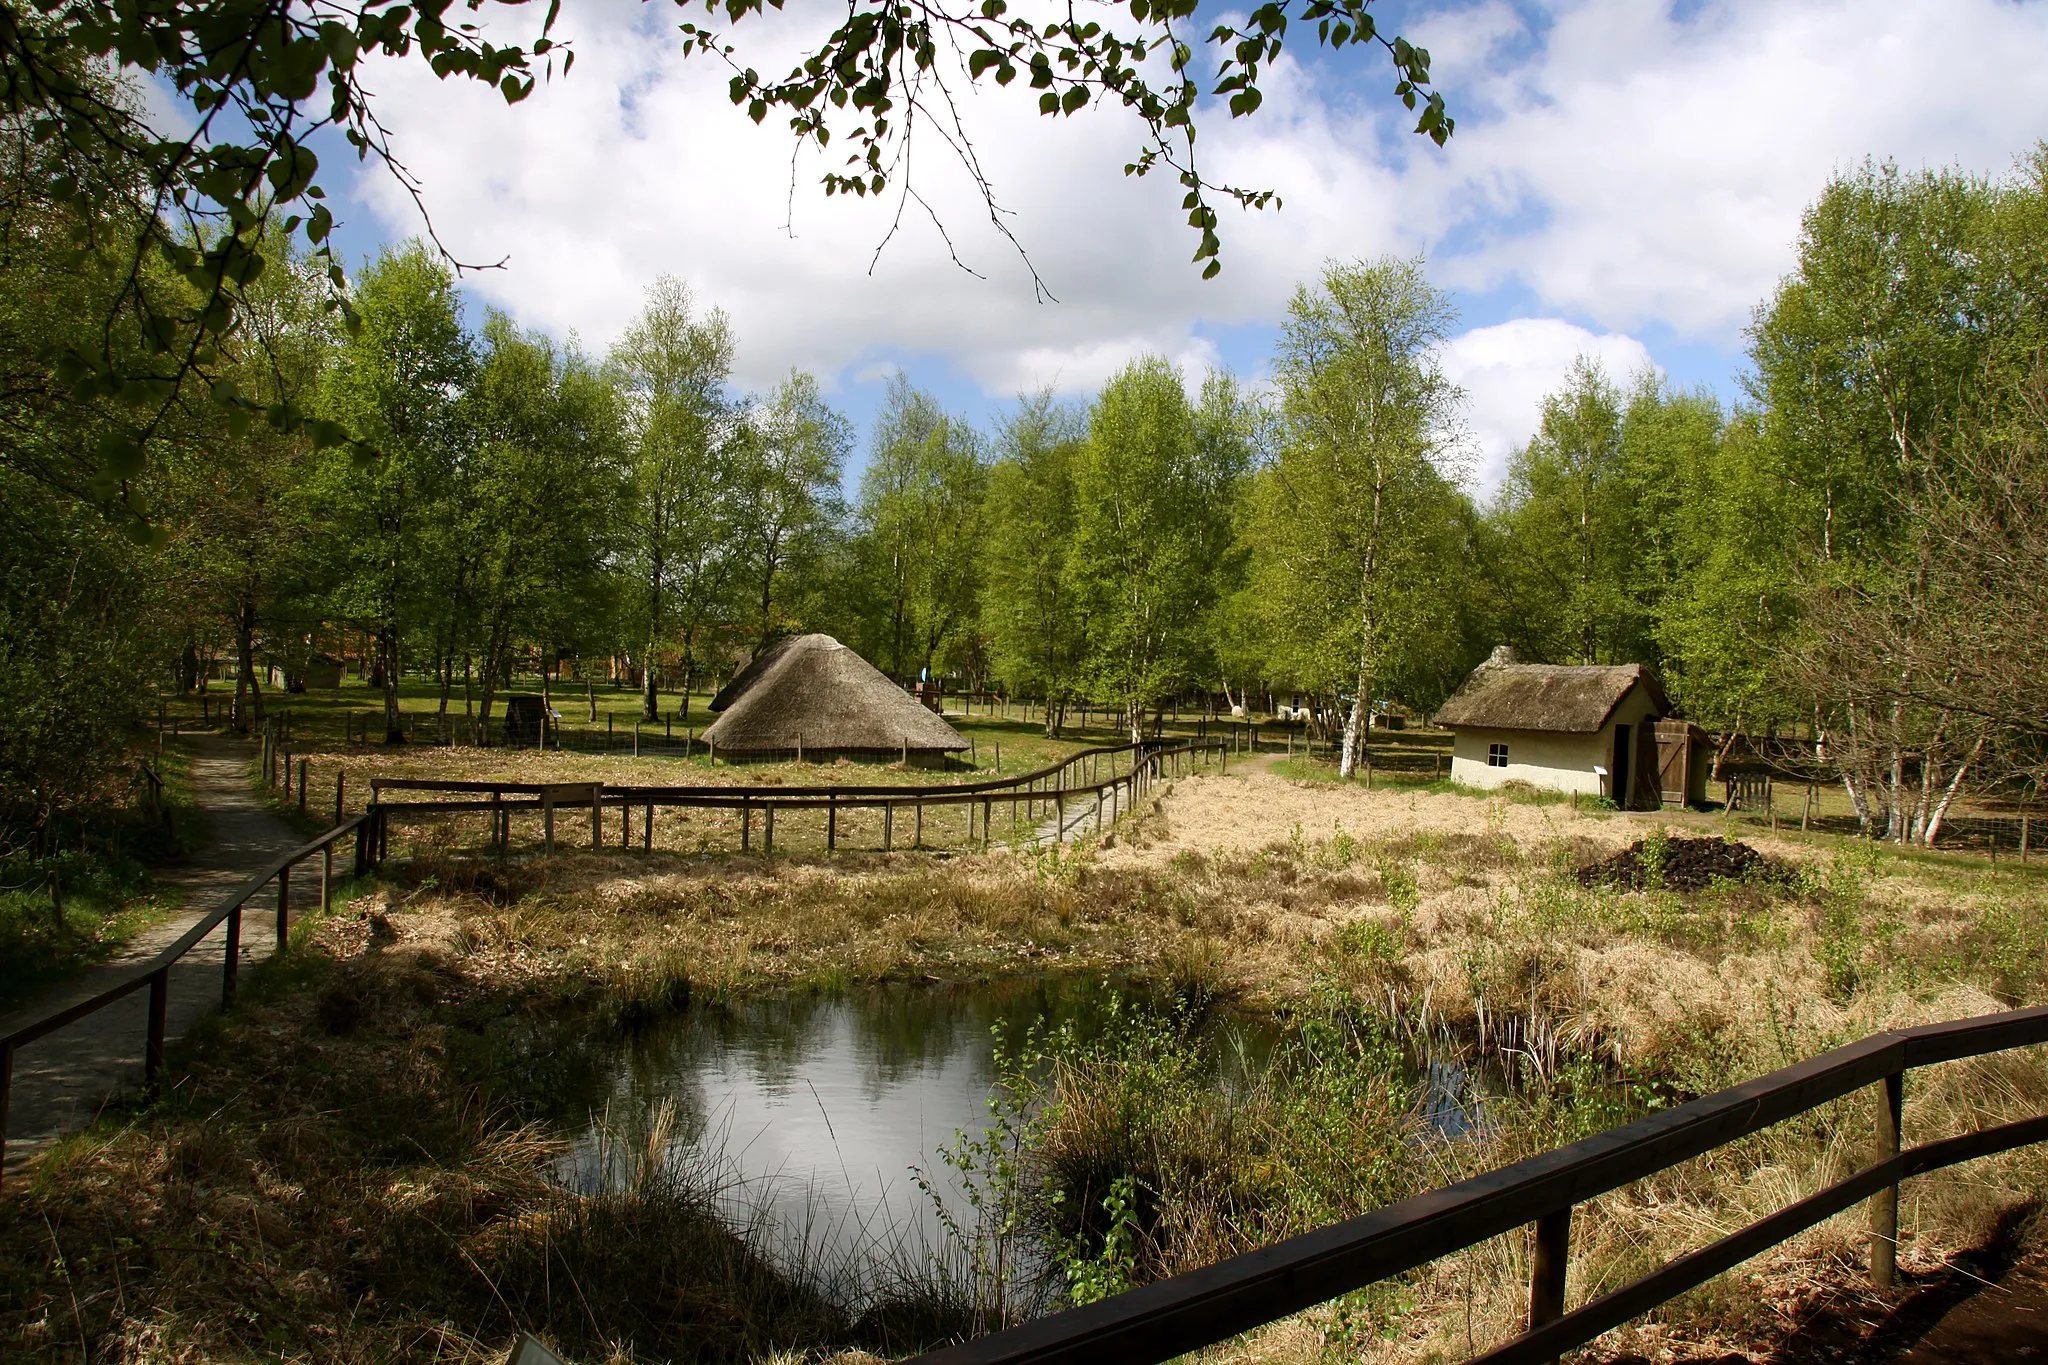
{"x":547,"y":820}
{"x":768,"y":828}
{"x":888,"y":824}
{"x":1548,"y":1260}
{"x":1884,"y":1205}
{"x":6,"y":1087}
{"x":284,"y":907}
{"x":302,"y":786}
{"x":746,"y":825}
{"x":327,"y":877}
{"x":158,"y":1027}
{"x":597,"y":813}
{"x":831,"y":820}
{"x":231,"y":959}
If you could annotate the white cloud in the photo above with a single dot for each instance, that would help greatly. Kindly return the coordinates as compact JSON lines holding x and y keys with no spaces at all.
{"x":1665,"y":161}
{"x":1506,"y":370}
{"x":1624,"y":169}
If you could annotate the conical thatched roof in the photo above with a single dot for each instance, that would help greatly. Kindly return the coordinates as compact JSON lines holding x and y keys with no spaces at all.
{"x":818,"y":694}
{"x":763,"y":660}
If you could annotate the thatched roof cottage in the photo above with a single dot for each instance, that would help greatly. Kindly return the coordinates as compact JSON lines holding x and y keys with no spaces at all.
{"x":1589,"y":729}
{"x":809,"y":694}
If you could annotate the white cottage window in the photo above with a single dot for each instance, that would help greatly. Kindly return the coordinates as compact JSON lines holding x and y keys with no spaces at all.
{"x":1496,"y":755}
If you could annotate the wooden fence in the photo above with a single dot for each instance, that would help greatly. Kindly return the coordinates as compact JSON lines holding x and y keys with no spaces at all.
{"x":1115,"y":777}
{"x":1160,"y":1321}
{"x":155,"y":974}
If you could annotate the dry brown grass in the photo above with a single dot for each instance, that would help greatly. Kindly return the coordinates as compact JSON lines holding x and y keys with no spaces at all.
{"x":346,"y":1115}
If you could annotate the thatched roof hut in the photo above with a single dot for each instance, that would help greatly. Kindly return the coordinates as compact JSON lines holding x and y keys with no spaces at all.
{"x":1589,"y":729}
{"x":817,"y":697}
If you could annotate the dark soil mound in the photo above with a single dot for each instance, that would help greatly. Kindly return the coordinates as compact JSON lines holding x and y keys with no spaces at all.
{"x":1686,"y":865}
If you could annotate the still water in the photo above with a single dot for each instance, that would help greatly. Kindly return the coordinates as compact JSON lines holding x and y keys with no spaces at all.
{"x":818,"y":1110}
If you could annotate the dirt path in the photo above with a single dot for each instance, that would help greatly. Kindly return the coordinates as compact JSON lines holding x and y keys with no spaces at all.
{"x":62,"y":1081}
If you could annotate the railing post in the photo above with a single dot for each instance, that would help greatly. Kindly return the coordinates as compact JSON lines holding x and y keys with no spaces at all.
{"x":159,"y":1025}
{"x":327,"y":877}
{"x":888,"y":823}
{"x":547,"y":820}
{"x":231,"y":959}
{"x":768,"y":829}
{"x":918,"y":840}
{"x":831,"y":824}
{"x":6,"y":1087}
{"x":1884,"y":1205}
{"x":597,"y":811}
{"x":1548,"y":1258}
{"x":284,"y":907}
{"x":746,"y":826}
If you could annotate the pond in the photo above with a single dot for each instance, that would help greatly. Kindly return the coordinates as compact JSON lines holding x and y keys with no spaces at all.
{"x":818,"y":1112}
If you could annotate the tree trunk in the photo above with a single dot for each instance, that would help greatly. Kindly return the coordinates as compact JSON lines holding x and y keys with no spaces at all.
{"x":387,"y":660}
{"x":248,"y":696}
{"x":1940,"y":811}
{"x":1895,"y":781}
{"x":1357,"y":727}
{"x":650,"y":687}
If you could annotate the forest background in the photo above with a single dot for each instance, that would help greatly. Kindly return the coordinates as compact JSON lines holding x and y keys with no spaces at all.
{"x":1847,"y":555}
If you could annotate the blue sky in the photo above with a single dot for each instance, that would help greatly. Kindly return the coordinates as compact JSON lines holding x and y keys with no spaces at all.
{"x":1626,"y":181}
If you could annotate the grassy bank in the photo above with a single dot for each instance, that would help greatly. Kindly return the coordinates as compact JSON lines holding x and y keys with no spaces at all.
{"x":361,"y":1147}
{"x":66,"y":911}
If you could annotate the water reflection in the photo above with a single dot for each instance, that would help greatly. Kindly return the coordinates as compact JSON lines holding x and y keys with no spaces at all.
{"x":820,"y":1107}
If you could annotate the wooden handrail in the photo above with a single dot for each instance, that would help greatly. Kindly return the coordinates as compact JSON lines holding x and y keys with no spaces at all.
{"x":384,"y":784}
{"x":155,"y":973}
{"x":1146,"y":755}
{"x":1159,"y":1321}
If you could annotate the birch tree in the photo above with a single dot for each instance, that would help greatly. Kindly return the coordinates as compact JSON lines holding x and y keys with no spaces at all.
{"x":679,"y":546}
{"x":1035,"y":621}
{"x":1150,"y":525}
{"x":1356,"y":508}
{"x":919,"y":519}
{"x":396,"y":385}
{"x":794,"y":447}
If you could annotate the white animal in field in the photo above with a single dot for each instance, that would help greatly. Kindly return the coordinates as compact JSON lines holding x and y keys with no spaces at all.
{"x":1237,"y":712}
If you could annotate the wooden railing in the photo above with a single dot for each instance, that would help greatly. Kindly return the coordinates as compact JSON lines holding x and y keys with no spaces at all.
{"x":155,"y":974}
{"x":1044,"y":792}
{"x":1160,"y":1321}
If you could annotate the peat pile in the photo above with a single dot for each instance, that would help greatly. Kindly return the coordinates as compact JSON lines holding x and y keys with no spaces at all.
{"x":1685,"y":865}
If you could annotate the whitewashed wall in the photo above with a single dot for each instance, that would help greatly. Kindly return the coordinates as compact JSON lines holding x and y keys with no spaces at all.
{"x":1548,"y":759}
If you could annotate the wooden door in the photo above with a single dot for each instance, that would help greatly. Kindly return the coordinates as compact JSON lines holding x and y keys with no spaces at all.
{"x":1618,"y":789}
{"x":1674,"y":760}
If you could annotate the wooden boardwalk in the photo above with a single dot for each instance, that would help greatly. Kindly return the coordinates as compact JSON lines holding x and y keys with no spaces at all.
{"x":63,"y":1081}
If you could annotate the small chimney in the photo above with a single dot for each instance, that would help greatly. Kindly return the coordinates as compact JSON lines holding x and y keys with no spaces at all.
{"x":1502,"y":654}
